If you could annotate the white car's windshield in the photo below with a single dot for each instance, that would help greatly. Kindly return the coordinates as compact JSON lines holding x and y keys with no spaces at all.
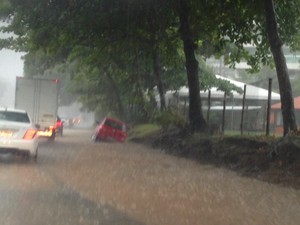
{"x":14,"y":116}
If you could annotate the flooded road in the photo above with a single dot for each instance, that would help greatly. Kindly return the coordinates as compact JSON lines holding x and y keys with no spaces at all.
{"x":76,"y":181}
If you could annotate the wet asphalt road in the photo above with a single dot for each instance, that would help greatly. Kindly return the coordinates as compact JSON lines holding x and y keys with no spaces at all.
{"x":76,"y":181}
{"x":32,"y":193}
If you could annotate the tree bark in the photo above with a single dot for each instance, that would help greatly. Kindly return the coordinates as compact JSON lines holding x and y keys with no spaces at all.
{"x":117,"y":94}
{"x":158,"y":73}
{"x":197,"y":121}
{"x":286,"y":96}
{"x":139,"y":90}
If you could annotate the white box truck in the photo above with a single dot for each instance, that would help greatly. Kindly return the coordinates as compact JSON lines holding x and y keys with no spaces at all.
{"x":39,"y":97}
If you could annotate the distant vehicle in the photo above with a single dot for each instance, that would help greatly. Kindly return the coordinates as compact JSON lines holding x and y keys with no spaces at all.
{"x":18,"y":135}
{"x":110,"y":129}
{"x":76,"y":121}
{"x":39,"y":97}
{"x":65,"y":121}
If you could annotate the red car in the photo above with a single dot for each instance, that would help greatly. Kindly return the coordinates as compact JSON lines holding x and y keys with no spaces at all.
{"x":110,"y":129}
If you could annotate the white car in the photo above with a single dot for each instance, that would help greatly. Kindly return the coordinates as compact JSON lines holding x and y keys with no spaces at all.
{"x":17,"y":133}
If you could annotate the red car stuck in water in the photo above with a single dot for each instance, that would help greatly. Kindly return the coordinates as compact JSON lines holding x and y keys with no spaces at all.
{"x":110,"y":129}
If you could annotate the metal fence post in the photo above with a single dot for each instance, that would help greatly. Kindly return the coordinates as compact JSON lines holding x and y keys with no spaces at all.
{"x":243,"y":110}
{"x":269,"y":107}
{"x":224,"y":109}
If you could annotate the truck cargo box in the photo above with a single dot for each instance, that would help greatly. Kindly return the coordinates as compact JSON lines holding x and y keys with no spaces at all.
{"x":39,"y":97}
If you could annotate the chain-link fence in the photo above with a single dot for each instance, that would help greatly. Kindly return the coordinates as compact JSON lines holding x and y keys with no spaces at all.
{"x":235,"y":113}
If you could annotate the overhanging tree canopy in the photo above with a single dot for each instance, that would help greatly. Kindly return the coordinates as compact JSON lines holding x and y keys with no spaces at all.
{"x":140,"y":38}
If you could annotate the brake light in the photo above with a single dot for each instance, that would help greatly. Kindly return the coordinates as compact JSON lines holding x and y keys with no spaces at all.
{"x":47,"y":133}
{"x":30,"y":134}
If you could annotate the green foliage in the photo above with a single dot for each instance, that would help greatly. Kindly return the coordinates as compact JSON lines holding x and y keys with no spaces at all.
{"x":171,"y":118}
{"x":209,"y":80}
{"x":5,"y":9}
{"x":142,"y":131}
{"x":227,"y":87}
{"x":110,"y":43}
{"x":243,"y":23}
{"x":206,"y":75}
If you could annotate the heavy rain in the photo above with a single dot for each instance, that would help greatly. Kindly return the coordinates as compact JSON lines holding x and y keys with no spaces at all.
{"x":149,"y":112}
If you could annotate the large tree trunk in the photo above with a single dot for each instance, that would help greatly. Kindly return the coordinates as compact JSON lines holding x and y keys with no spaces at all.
{"x":197,"y":121}
{"x":158,"y":72}
{"x":287,"y":101}
{"x":117,"y":95}
{"x":116,"y":92}
{"x":140,"y":91}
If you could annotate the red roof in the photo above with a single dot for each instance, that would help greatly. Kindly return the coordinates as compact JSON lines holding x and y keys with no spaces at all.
{"x":296,"y":104}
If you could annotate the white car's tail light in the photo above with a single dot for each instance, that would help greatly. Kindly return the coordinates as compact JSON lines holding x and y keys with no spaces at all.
{"x":6,"y":133}
{"x":30,"y":134}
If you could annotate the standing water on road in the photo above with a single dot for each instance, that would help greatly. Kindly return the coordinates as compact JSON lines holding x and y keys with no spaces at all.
{"x":77,"y":181}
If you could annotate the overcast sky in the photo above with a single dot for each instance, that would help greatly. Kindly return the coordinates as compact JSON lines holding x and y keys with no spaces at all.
{"x":11,"y":66}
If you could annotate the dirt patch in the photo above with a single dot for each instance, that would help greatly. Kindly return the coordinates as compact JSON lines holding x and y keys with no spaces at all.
{"x":268,"y":159}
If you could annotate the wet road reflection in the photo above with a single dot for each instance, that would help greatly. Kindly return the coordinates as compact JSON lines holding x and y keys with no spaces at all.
{"x":30,"y":194}
{"x":76,"y":181}
{"x":54,"y":207}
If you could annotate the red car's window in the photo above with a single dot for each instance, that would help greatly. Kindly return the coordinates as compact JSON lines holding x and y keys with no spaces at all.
{"x":114,"y":124}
